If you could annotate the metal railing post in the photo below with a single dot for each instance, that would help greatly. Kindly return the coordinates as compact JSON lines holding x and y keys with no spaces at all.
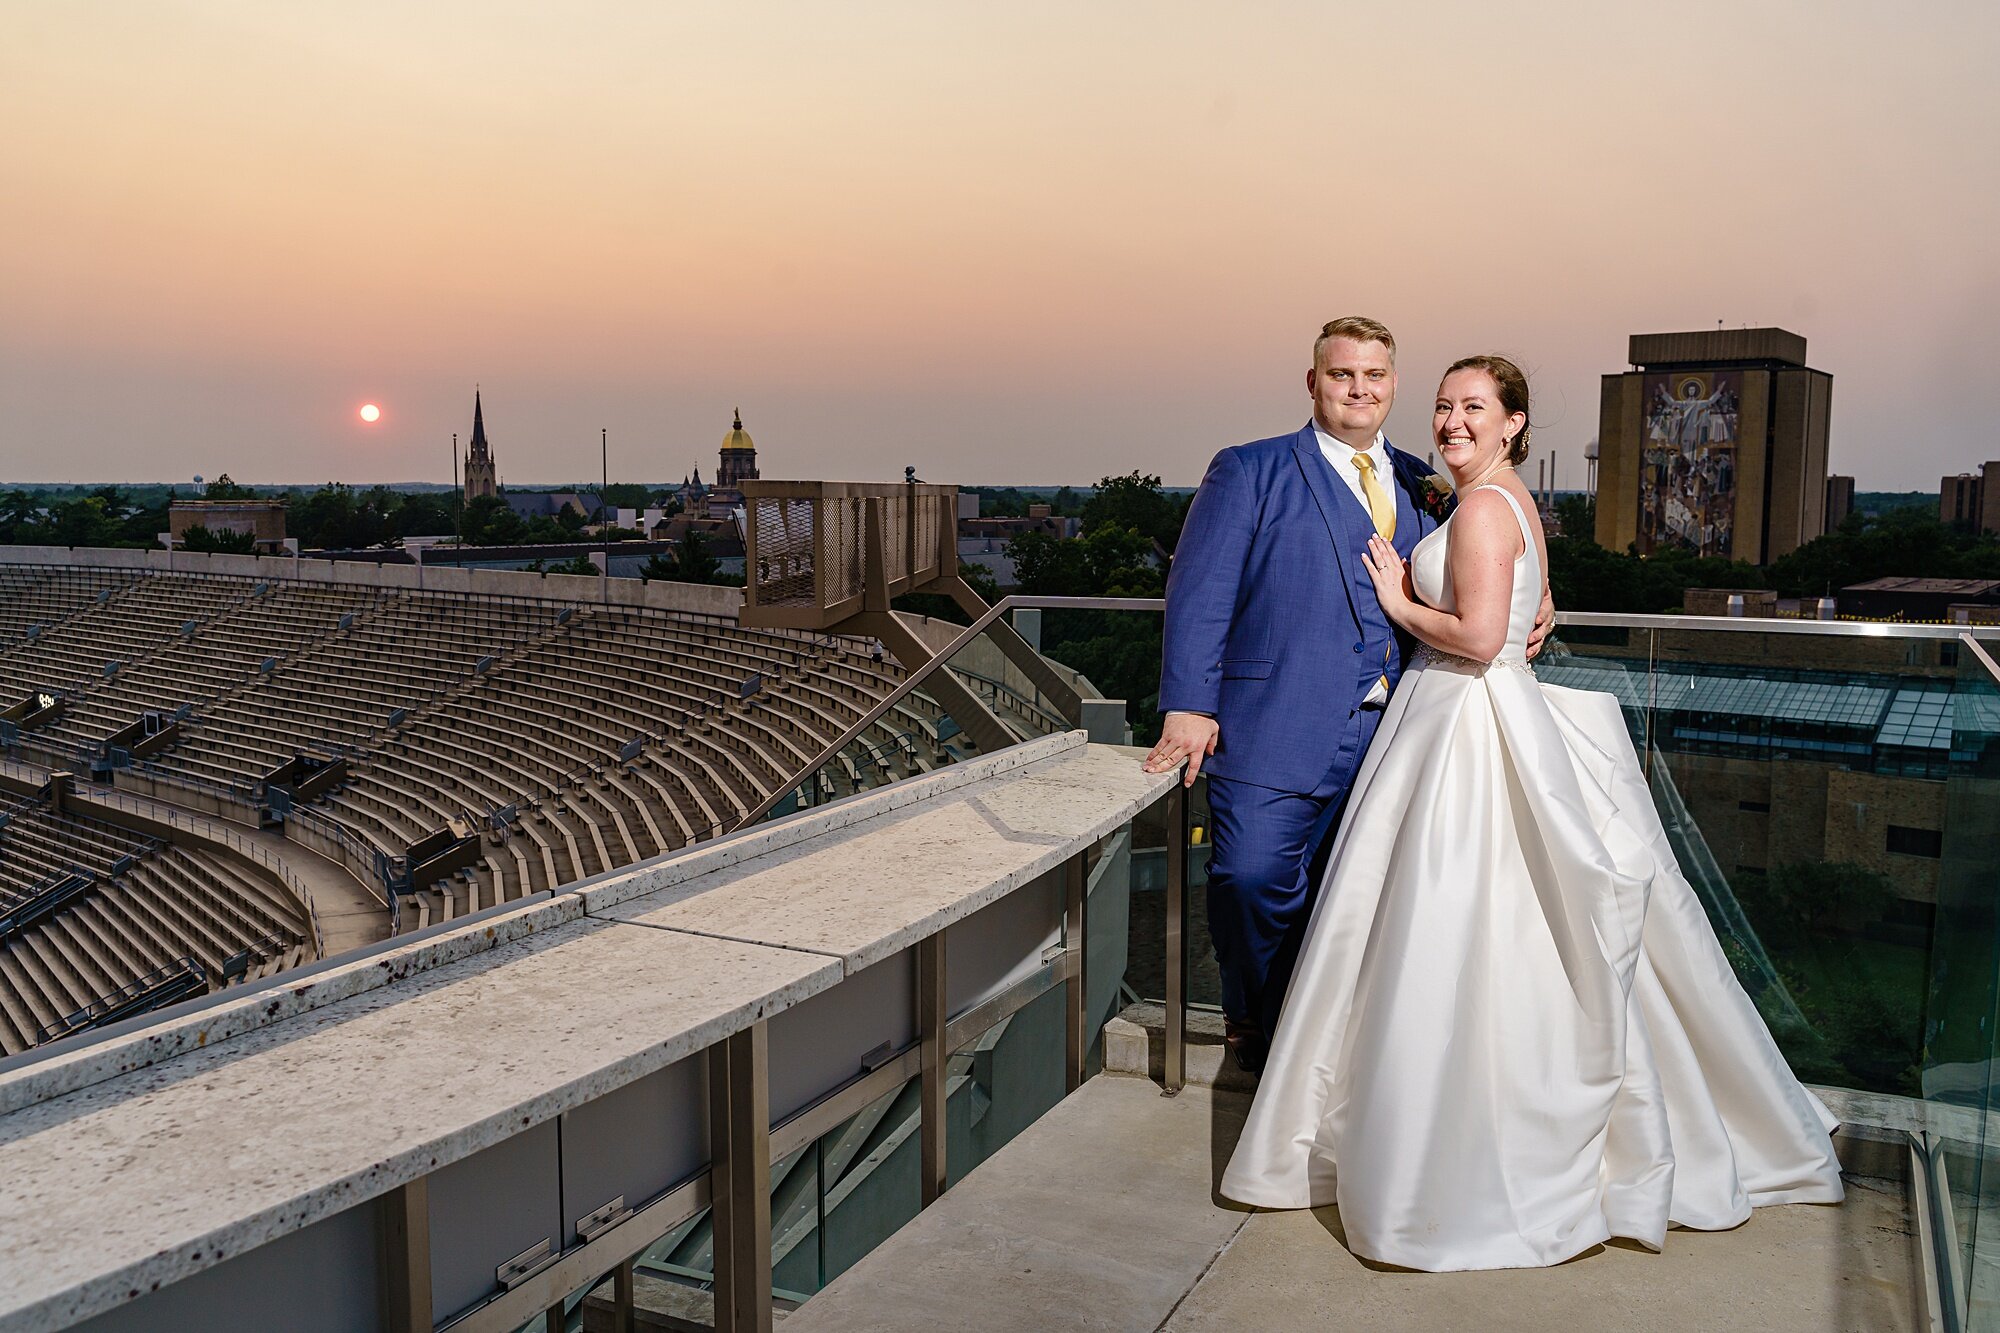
{"x":739,"y":1129}
{"x":406,"y":1241}
{"x":931,"y":1038}
{"x":1076,"y":994}
{"x":1176,"y":1036}
{"x":624,"y":1313}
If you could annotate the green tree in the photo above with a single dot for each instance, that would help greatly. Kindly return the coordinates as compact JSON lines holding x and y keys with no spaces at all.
{"x":981,"y":581}
{"x":580,"y":564}
{"x":694,"y":563}
{"x":200,"y":537}
{"x":658,"y":568}
{"x":19,"y":511}
{"x":81,"y":522}
{"x":940,"y":607}
{"x":627,"y":495}
{"x":1900,"y":541}
{"x":489,"y":522}
{"x":1576,"y":515}
{"x":1046,"y":566}
{"x":426,"y":514}
{"x":222,"y":488}
{"x":1135,"y":501}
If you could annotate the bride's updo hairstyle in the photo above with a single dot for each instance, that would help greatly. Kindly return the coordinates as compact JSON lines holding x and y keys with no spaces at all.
{"x":1513,"y":395}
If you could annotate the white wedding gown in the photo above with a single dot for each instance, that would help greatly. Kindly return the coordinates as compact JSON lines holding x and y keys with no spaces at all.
{"x":1512,"y":1034}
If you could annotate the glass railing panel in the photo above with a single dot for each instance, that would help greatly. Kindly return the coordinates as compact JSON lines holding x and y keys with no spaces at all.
{"x":1801,"y":779}
{"x":1104,"y":655}
{"x":1963,"y":1017}
{"x":1115,"y":655}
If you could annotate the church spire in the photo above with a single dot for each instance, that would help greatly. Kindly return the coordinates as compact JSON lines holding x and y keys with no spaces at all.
{"x":481,"y":478}
{"x":478,"y":427}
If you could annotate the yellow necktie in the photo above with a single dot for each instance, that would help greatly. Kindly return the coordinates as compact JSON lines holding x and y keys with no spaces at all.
{"x":1382,"y":509}
{"x":1380,"y":506}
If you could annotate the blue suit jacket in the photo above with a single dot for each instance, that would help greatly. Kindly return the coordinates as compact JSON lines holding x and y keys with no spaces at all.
{"x":1272,"y":625}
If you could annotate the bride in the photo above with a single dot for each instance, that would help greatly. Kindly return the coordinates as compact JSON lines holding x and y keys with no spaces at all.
{"x":1512,"y":1034}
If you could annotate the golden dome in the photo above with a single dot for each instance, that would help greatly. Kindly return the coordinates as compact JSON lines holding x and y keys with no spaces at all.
{"x":738,"y":440}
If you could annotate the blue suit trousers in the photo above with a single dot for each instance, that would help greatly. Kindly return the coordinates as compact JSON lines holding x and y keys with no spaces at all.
{"x":1268,"y":852}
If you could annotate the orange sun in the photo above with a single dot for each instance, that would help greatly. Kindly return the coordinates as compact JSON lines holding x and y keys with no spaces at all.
{"x":370,"y":412}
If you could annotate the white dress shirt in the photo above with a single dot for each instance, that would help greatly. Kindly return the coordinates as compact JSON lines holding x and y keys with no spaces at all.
{"x":1341,"y":455}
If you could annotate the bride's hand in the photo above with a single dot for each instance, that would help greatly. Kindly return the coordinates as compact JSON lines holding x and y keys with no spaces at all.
{"x":1390,"y":575}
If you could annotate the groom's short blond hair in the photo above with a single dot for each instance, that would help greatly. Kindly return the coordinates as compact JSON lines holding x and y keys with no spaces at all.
{"x":1358,"y":327}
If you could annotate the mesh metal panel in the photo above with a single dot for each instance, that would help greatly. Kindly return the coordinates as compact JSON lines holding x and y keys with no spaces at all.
{"x":925,"y":521}
{"x":895,"y":532}
{"x":845,"y":531}
{"x":786,"y":547}
{"x":809,"y":541}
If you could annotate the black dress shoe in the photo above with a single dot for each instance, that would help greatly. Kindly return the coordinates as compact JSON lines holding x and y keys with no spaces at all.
{"x":1246,"y":1043}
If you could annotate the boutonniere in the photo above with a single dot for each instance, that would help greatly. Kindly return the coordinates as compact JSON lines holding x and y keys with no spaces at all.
{"x":1436,"y":495}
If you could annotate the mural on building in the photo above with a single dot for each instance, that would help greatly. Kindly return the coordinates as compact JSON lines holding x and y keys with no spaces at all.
{"x":1687,"y":491}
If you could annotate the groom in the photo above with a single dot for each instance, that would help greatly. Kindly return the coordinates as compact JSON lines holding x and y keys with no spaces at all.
{"x":1279,"y":659}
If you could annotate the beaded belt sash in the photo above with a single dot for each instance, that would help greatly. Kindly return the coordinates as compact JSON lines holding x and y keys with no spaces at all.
{"x":1429,"y":656}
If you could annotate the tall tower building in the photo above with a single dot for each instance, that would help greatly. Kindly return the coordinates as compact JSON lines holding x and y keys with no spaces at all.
{"x":1714,"y":442}
{"x":479,"y":475}
{"x":739,"y":456}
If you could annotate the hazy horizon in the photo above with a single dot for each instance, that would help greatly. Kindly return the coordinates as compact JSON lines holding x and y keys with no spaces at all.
{"x":1031,"y":239}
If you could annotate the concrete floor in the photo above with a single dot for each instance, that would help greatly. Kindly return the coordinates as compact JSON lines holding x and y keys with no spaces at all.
{"x":1103,"y":1216}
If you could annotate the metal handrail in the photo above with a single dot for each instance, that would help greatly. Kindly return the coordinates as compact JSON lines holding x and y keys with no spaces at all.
{"x":1604,"y":619}
{"x":1966,"y":640}
{"x":937,"y":663}
{"x":1857,"y":629}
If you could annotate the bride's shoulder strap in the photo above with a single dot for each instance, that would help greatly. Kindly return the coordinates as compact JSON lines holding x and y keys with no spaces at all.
{"x":1520,"y":516}
{"x":1515,"y":505}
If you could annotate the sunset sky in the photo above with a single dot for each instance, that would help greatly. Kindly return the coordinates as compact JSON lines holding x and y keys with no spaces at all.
{"x":1019,"y":242}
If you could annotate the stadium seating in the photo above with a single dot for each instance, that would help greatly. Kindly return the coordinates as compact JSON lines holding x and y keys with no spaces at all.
{"x":150,"y":903}
{"x":123,"y":624}
{"x":569,"y":737}
{"x":207,"y":658}
{"x":627,"y":735}
{"x":45,"y":596}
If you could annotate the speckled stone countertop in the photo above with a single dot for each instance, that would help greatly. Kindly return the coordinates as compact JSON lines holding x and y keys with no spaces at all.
{"x":157,"y":1174}
{"x":132,"y":1165}
{"x":837,"y":895}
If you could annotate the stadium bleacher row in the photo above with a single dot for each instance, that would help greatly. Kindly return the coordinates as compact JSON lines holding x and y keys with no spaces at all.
{"x":571,"y":737}
{"x":147,"y":903}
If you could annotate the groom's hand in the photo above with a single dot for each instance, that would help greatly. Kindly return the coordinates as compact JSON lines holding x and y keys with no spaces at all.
{"x":1188,"y":736}
{"x":1545,"y":620}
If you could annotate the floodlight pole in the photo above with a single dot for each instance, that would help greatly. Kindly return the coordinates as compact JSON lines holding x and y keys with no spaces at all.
{"x":604,"y":502}
{"x":458,"y":496}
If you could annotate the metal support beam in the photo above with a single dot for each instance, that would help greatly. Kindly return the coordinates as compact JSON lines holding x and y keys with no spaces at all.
{"x":1177,"y":849}
{"x":1076,"y":993}
{"x":972,"y":716}
{"x":406,"y":1240}
{"x":624,"y":1310}
{"x":1036,"y":668}
{"x":931,"y":1039}
{"x":739,"y":1133}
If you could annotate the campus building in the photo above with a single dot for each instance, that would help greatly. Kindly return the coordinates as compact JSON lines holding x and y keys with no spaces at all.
{"x":481,"y":478}
{"x":1714,"y":442}
{"x":1971,"y":499}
